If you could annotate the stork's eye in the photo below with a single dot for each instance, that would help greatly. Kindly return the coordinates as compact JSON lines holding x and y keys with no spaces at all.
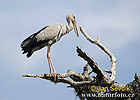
{"x":73,"y":16}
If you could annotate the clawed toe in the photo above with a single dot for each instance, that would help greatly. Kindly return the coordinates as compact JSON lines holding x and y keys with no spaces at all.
{"x":55,"y":76}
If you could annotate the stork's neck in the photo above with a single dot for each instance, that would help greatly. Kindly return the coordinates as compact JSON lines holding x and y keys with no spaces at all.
{"x":70,"y":26}
{"x":67,"y":28}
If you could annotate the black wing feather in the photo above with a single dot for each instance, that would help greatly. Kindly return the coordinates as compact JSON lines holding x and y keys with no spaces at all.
{"x":31,"y":42}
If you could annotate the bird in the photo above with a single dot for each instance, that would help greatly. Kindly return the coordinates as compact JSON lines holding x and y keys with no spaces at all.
{"x":47,"y":36}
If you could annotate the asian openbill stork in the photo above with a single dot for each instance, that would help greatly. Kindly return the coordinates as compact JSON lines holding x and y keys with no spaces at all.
{"x":48,"y":36}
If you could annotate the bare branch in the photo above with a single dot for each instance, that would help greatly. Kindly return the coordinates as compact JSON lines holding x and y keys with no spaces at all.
{"x":86,"y":72}
{"x":112,"y":56}
{"x":91,"y":62}
{"x":77,"y":78}
{"x":49,"y":77}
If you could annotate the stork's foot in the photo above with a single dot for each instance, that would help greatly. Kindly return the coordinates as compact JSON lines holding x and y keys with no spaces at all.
{"x":56,"y":76}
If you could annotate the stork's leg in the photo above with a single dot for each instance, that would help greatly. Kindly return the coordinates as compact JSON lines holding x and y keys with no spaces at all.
{"x":48,"y":57}
{"x":52,"y":65}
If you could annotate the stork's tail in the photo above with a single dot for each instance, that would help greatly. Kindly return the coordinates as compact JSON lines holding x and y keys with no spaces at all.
{"x":26,"y":45}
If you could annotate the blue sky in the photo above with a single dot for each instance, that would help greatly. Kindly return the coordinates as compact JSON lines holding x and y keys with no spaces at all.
{"x":115,"y":22}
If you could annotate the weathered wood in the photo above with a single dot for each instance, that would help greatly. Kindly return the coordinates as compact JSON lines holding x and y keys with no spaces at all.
{"x":82,"y":83}
{"x":100,"y":45}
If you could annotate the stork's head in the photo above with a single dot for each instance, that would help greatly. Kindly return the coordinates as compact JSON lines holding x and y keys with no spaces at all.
{"x":71,"y":19}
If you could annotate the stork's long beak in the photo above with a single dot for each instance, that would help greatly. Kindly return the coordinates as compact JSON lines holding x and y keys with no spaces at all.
{"x":75,"y":27}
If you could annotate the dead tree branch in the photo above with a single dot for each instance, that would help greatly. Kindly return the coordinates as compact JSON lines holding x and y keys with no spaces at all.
{"x":77,"y":79}
{"x":112,"y":56}
{"x":82,"y":83}
{"x":92,"y":64}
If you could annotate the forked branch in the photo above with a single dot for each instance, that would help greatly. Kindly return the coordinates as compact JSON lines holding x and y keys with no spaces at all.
{"x":90,"y":61}
{"x":77,"y":79}
{"x":112,"y":56}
